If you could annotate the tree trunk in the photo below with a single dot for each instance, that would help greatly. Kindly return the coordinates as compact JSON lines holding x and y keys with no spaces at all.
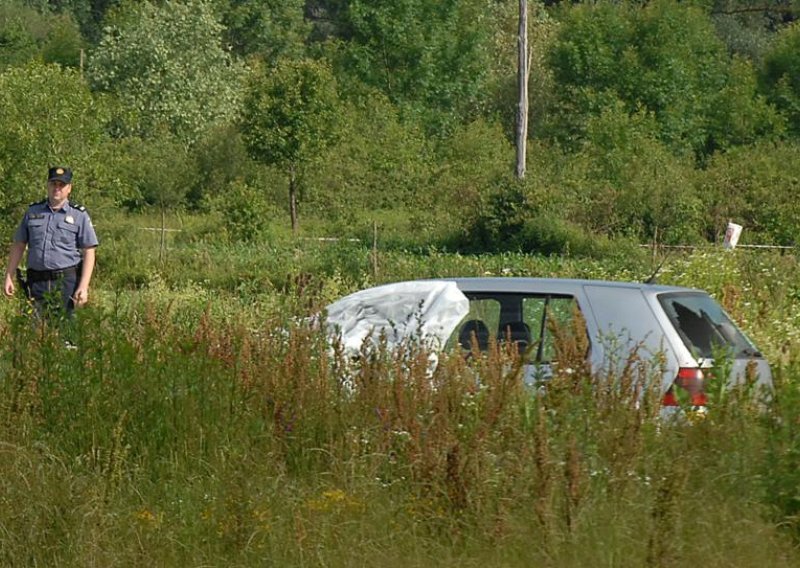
{"x":522,"y":82}
{"x":293,"y":198}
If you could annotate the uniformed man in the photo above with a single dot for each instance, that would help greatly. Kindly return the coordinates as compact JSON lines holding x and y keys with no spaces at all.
{"x":61,"y":243}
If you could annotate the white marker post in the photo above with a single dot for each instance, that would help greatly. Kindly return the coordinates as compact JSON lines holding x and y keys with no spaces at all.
{"x":732,"y":234}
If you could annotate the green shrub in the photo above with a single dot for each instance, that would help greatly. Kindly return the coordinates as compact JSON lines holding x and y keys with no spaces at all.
{"x":245,"y":211}
{"x":755,"y":187}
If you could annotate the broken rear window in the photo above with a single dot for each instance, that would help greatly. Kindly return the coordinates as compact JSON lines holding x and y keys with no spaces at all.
{"x":704,"y":327}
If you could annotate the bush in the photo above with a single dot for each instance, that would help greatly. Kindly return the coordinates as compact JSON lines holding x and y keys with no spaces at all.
{"x":756,"y":187}
{"x":245,"y":210}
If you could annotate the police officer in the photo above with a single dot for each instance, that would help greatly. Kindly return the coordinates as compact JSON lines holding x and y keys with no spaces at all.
{"x":61,"y":243}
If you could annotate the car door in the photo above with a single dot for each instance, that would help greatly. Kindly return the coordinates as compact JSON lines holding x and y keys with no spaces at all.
{"x":627,"y":326}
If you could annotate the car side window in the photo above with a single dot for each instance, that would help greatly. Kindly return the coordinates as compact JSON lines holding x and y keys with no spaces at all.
{"x":486,"y":310}
{"x":480,"y":324}
{"x":540,"y":325}
{"x":554,"y":321}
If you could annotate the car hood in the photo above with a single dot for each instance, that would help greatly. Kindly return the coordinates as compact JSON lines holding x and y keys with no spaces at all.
{"x":418,"y":310}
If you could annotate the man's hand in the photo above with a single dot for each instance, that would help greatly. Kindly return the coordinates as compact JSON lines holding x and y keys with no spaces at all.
{"x":9,"y":286}
{"x":17,"y":250}
{"x":81,"y":297}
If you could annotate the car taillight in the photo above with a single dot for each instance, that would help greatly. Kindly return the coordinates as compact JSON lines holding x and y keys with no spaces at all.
{"x":689,"y":381}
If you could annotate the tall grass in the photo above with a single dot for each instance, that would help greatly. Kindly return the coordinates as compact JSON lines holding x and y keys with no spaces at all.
{"x":171,"y":438}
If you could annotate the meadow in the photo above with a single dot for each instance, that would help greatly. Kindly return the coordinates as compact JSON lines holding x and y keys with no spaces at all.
{"x":205,"y":421}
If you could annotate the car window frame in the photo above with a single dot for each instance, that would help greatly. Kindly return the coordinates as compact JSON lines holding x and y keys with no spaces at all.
{"x":540,"y":327}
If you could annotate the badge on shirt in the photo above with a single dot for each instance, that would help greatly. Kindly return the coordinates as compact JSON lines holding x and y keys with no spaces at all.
{"x":69,"y":219}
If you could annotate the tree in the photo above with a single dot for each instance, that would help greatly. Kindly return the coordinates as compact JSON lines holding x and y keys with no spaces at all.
{"x":166,"y":66}
{"x":17,"y":44}
{"x":432,"y":58}
{"x":742,"y":115}
{"x":290,"y":116}
{"x":41,"y":125}
{"x":272,"y":29}
{"x":662,"y":58}
{"x":89,"y":14}
{"x":780,"y":76}
{"x":63,"y":44}
{"x":26,"y":34}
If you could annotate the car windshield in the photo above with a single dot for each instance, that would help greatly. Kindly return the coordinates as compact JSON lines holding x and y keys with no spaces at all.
{"x":704,"y":327}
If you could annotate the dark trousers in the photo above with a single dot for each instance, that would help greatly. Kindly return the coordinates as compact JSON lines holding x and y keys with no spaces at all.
{"x":53,"y":298}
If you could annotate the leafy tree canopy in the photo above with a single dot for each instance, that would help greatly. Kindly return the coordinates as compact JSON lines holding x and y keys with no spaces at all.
{"x":88,"y":13}
{"x":663,"y":58}
{"x":781,"y":75}
{"x":272,"y":29}
{"x":421,"y":54}
{"x":291,"y":113}
{"x":26,"y":34}
{"x":47,"y":116}
{"x":166,"y":65}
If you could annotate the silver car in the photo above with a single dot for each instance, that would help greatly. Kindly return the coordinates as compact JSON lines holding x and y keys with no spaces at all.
{"x":683,"y":329}
{"x":680,"y":331}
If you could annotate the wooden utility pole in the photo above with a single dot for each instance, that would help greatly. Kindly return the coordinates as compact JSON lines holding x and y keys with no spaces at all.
{"x":522,"y":82}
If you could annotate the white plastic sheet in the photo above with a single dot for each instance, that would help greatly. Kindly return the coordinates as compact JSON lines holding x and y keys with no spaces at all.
{"x":425,"y":310}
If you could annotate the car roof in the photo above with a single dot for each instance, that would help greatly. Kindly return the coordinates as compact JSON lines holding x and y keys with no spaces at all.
{"x":515,"y":284}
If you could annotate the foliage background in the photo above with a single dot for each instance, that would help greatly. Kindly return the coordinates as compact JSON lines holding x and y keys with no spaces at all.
{"x":634,"y":106}
{"x":203,"y":422}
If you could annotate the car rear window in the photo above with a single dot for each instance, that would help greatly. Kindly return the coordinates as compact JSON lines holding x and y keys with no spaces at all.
{"x":704,"y":327}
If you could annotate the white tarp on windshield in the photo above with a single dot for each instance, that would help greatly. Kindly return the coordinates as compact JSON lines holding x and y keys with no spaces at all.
{"x":420,"y":309}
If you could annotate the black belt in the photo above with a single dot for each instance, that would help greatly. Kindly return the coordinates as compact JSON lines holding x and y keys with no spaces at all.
{"x":46,"y":275}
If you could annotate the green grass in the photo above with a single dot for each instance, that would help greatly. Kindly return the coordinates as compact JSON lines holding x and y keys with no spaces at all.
{"x":159,"y":443}
{"x":201,"y":422}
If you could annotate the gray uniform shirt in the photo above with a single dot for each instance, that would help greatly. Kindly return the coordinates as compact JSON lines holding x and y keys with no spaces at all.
{"x":55,"y":238}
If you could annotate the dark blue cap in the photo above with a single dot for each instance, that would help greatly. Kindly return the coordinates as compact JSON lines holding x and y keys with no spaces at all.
{"x":59,"y":173}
